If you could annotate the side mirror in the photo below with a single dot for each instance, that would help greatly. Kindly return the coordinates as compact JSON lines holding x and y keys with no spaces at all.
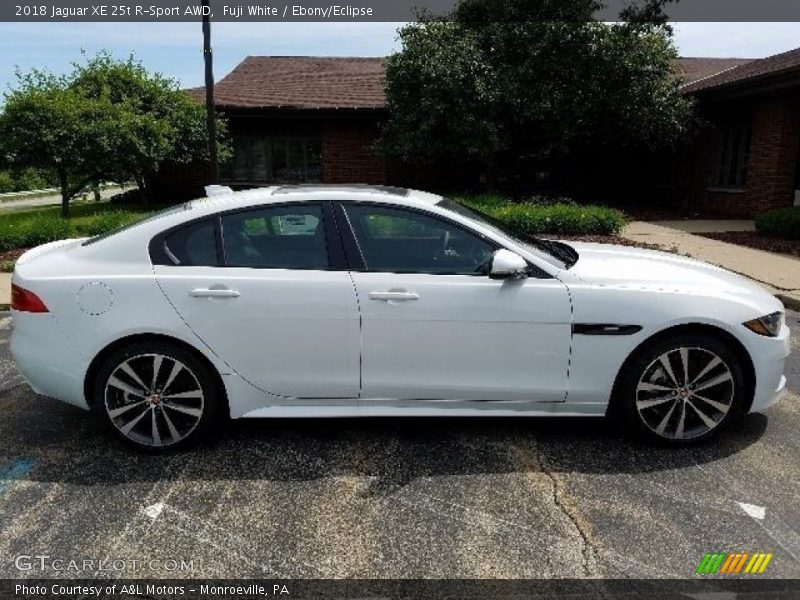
{"x":507,"y":265}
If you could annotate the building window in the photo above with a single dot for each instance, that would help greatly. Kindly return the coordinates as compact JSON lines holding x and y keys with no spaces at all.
{"x":276,"y":159}
{"x":734,"y":151}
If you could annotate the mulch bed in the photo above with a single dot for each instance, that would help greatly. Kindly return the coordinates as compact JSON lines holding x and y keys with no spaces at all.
{"x":602,"y":239}
{"x":12,"y":254}
{"x":753,"y":239}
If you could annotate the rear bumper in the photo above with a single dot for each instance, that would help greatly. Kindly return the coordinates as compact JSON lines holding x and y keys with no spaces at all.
{"x":769,"y":358}
{"x":48,"y":361}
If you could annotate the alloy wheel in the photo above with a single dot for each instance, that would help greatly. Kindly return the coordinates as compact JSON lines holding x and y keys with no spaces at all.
{"x":685,"y":393}
{"x":154,"y":399}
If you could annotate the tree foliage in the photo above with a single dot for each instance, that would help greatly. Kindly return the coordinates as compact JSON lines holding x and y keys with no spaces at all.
{"x":106,"y":120}
{"x":532,"y":78}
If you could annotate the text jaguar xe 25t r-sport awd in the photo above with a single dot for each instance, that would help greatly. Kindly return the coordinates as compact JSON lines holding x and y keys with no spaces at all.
{"x":309,"y":301}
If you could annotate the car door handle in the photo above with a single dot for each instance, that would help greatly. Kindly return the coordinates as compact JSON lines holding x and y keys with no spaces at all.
{"x":214,"y":293}
{"x":389,"y":296}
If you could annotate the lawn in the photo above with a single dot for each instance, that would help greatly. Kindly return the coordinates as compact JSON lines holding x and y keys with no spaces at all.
{"x":20,"y":230}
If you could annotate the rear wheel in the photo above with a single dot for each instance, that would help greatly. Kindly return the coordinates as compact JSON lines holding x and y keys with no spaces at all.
{"x":157,"y":396}
{"x":683,"y":390}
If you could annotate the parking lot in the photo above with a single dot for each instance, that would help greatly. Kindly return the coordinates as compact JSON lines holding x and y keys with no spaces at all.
{"x":475,"y":498}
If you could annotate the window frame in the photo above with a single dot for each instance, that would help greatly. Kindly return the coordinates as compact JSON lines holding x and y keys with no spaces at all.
{"x":725,"y":168}
{"x":268,"y":141}
{"x":355,"y":256}
{"x":337,"y":261}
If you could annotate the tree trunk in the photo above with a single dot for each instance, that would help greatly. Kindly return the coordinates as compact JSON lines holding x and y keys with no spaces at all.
{"x":62,"y":180}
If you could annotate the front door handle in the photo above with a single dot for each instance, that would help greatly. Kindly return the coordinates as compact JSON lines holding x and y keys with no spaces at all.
{"x":214,"y":293}
{"x":393,"y":295}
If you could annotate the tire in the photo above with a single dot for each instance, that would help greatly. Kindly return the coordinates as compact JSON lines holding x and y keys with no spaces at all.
{"x":157,"y":396}
{"x":659,"y":404}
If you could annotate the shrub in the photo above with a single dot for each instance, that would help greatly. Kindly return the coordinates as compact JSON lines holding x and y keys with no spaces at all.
{"x":552,"y":218}
{"x":781,"y":222}
{"x":32,"y":228}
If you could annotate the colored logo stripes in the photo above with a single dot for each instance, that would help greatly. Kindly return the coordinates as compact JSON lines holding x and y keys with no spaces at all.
{"x":727,"y":563}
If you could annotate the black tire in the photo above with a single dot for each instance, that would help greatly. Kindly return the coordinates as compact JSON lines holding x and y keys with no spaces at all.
{"x":172,"y":422}
{"x":641,"y":402}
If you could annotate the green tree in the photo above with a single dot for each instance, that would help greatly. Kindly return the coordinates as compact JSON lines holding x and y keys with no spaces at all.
{"x":532,"y":78}
{"x":47,"y":125}
{"x":157,"y":123}
{"x":106,"y":120}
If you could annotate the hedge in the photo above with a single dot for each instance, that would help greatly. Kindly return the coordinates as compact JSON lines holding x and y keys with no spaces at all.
{"x":547,"y":216}
{"x":780,"y":222}
{"x":31,"y":228}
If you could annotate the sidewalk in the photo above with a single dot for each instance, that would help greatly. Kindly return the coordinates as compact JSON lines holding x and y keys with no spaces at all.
{"x":5,"y":290}
{"x":780,"y":274}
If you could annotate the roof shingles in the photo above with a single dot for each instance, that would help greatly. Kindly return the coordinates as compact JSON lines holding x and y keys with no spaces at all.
{"x":303,"y":82}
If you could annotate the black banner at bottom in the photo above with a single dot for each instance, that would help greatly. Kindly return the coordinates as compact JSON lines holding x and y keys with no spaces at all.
{"x":391,"y":589}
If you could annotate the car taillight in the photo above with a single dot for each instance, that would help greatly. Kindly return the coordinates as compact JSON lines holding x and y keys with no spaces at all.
{"x":26,"y":301}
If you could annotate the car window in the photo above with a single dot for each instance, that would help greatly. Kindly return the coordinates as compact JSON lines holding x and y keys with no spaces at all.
{"x":403,"y":241}
{"x":193,"y":245}
{"x":280,"y":237}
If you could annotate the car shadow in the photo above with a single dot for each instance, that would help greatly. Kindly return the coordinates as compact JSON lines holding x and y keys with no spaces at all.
{"x":70,"y":446}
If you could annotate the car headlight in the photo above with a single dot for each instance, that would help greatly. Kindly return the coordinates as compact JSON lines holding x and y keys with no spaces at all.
{"x":768,"y":325}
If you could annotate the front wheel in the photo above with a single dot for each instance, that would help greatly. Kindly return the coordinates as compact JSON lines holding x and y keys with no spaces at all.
{"x":683,"y":390}
{"x":157,"y":396}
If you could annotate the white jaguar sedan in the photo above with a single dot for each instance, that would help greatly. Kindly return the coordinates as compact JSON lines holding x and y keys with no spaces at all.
{"x":310,"y":301}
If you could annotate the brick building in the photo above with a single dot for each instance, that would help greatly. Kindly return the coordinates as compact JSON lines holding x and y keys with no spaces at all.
{"x":310,"y":119}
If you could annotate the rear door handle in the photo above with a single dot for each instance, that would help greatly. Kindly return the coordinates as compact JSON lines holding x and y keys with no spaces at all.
{"x":389,"y":296}
{"x":214,"y":293}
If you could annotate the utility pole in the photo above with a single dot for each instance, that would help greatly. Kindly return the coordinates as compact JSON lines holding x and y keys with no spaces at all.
{"x":211,"y":115}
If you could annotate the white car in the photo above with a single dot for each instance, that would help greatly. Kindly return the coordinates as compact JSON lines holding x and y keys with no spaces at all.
{"x":310,"y":301}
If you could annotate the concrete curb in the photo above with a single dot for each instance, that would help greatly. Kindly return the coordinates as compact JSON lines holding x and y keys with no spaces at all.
{"x":790,"y":302}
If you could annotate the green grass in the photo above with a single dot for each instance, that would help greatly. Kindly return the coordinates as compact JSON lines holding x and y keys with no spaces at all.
{"x":537,"y":216}
{"x":781,"y":222}
{"x":25,"y":229}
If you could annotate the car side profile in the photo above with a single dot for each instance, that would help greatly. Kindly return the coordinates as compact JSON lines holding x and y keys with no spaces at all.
{"x":310,"y":301}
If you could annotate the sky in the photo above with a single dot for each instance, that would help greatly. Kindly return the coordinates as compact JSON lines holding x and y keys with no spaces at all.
{"x":175,"y":49}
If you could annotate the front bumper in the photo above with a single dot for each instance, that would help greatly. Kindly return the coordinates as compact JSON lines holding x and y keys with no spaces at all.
{"x":769,"y":358}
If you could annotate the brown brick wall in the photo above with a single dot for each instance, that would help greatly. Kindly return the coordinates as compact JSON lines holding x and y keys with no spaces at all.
{"x":772,"y":165}
{"x":348,"y":153}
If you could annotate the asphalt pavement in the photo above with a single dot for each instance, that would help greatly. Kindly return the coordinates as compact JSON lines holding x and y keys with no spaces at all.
{"x":391,"y":498}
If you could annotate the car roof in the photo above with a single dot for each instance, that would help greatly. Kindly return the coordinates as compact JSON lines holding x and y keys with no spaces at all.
{"x":288,"y":193}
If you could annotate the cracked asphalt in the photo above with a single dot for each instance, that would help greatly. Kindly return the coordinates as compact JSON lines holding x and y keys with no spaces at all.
{"x":393,"y":498}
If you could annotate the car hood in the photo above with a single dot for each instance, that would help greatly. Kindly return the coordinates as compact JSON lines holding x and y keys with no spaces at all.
{"x":605,"y":264}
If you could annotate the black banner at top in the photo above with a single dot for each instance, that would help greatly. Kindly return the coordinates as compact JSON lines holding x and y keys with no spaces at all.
{"x":350,"y":10}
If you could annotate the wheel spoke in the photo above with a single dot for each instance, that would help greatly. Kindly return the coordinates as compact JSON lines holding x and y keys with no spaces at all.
{"x":195,"y":412}
{"x":122,"y":410}
{"x":651,"y":402}
{"x":113,"y":381}
{"x":711,"y":364}
{"x":176,"y":368}
{"x":663,"y":425}
{"x":156,"y":368}
{"x":726,"y":376}
{"x":684,"y":352}
{"x":646,"y":386}
{"x":156,"y":434}
{"x":718,"y":405}
{"x":126,"y":368}
{"x":192,"y":394}
{"x":668,"y":367}
{"x":171,"y":426}
{"x":127,"y":429}
{"x":681,"y":421}
{"x":710,"y":423}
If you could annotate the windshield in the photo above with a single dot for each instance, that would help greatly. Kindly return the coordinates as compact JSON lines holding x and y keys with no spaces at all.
{"x":557,"y":253}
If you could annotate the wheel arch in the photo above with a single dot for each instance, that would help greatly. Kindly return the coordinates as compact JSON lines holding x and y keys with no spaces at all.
{"x":694,"y":328}
{"x":97,"y":361}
